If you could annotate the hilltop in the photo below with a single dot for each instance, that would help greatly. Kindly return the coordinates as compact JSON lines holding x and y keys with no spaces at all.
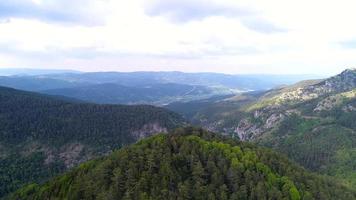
{"x":189,"y":163}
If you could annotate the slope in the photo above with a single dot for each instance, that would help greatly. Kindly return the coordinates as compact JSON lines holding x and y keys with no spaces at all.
{"x":188,"y":164}
{"x":313,"y":122}
{"x":41,"y":135}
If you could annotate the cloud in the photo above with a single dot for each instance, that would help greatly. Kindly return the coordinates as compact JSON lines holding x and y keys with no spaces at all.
{"x":205,"y":53}
{"x":53,"y":52}
{"x":4,"y":21}
{"x":350,"y":44}
{"x":213,"y":35}
{"x":183,"y":10}
{"x":262,"y":26}
{"x":63,"y":11}
{"x":93,"y":52}
{"x":215,"y":47}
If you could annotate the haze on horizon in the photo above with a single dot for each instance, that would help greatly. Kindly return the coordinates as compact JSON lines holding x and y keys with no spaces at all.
{"x":228,"y":36}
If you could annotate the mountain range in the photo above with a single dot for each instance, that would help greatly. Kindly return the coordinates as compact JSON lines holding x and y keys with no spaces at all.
{"x":66,"y":137}
{"x":312,"y":122}
{"x":155,"y":88}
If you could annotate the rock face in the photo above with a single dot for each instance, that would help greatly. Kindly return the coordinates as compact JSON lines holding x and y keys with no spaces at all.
{"x":248,"y":130}
{"x":349,"y":108}
{"x":75,"y":153}
{"x":328,"y":94}
{"x":343,"y":82}
{"x":70,"y":154}
{"x":272,"y":120}
{"x":340,"y":83}
{"x":149,"y":130}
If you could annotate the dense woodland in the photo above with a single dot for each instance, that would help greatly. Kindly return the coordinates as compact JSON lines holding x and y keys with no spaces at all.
{"x":312,"y":122}
{"x":36,"y":127}
{"x":189,"y":164}
{"x":29,"y":115}
{"x":324,"y":142}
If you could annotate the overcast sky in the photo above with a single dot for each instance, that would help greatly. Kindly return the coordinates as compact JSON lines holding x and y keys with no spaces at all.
{"x":230,"y":36}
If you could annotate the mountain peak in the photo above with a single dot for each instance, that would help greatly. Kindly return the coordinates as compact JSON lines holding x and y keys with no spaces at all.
{"x":344,"y":81}
{"x":349,"y":71}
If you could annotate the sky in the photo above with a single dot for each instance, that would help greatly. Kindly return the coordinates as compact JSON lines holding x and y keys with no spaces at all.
{"x":228,"y":36}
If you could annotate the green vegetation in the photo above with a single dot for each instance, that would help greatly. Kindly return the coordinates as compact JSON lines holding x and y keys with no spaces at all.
{"x":324,"y":145}
{"x":188,"y":164}
{"x":217,"y":113}
{"x":41,"y":135}
{"x":16,"y":170}
{"x":312,"y":122}
{"x":28,"y":115}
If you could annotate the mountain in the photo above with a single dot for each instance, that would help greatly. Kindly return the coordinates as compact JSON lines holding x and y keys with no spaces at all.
{"x":189,"y":163}
{"x":141,"y":79}
{"x":42,"y":135}
{"x":154,"y":88}
{"x":240,"y":82}
{"x":312,"y":122}
{"x":156,"y":94}
{"x":30,"y":83}
{"x":32,"y":72}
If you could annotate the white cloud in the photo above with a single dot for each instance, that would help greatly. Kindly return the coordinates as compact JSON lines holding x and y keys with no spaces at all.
{"x":85,"y":12}
{"x":248,"y":36}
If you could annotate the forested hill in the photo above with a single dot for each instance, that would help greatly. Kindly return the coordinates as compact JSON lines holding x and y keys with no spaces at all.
{"x":312,"y":122}
{"x":188,"y":164}
{"x":42,"y":135}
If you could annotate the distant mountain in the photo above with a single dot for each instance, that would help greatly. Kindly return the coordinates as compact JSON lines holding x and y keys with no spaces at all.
{"x":30,"y":83}
{"x":139,"y":79}
{"x":189,"y":164}
{"x":41,"y":135}
{"x":32,"y":72}
{"x":156,"y":94}
{"x":240,"y":82}
{"x":155,"y":88}
{"x":313,"y":122}
{"x":190,"y":109}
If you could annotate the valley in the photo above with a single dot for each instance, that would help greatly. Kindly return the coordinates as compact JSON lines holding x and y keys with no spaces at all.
{"x":312,"y":122}
{"x":177,"y":100}
{"x":309,"y":122}
{"x":154,"y":88}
